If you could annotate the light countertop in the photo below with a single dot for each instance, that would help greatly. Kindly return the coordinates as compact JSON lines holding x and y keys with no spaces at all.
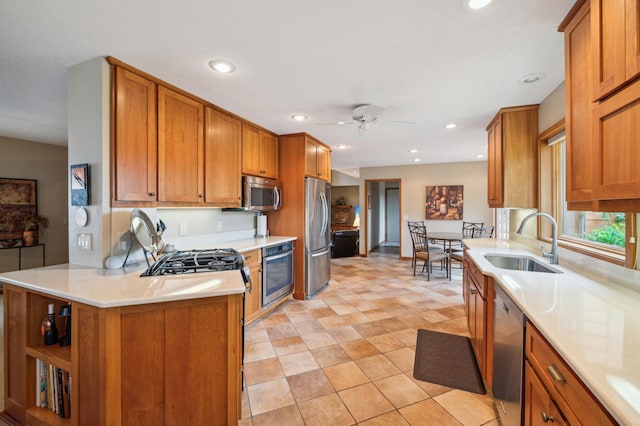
{"x":105,"y":288}
{"x":595,"y":326}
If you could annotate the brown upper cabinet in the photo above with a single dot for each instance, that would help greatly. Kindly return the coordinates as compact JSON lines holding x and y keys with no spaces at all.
{"x":579,"y":107}
{"x":259,"y":152}
{"x":222,"y":143}
{"x":318,"y":159}
{"x":134,"y":149}
{"x":180,"y":148}
{"x":616,"y":28}
{"x":512,"y":161}
{"x":602,"y":64}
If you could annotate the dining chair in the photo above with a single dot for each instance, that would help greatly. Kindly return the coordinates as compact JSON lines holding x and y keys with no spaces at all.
{"x":469,"y":230}
{"x":486,"y":232}
{"x":422,"y":251}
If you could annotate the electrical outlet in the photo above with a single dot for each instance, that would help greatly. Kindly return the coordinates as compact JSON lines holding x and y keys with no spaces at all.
{"x":219,"y":225}
{"x":84,"y":241}
{"x":632,"y":240}
{"x":183,"y":228}
{"x":124,"y":245}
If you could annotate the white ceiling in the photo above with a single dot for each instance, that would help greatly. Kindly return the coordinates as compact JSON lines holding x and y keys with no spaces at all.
{"x":427,"y":61}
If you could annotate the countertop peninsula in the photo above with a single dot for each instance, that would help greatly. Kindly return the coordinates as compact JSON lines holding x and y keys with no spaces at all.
{"x":594,"y":325}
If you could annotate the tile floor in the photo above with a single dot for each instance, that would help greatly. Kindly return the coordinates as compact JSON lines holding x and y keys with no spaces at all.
{"x":346,"y":356}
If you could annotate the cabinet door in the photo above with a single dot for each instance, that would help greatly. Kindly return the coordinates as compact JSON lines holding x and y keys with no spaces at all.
{"x":222,"y":140}
{"x":268,"y":155}
{"x":579,"y":140}
{"x":253,"y":295}
{"x":539,"y":408}
{"x":617,"y":50}
{"x":250,"y":150}
{"x":135,"y":146}
{"x":494,"y":164}
{"x":324,"y":162}
{"x":616,"y":150}
{"x":180,"y":148}
{"x":317,"y":159}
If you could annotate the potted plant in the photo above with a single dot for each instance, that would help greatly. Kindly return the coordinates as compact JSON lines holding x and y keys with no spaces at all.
{"x":32,"y":224}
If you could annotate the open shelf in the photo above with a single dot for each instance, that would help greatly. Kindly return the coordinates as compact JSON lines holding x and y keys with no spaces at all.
{"x":37,"y":415}
{"x":57,"y":355}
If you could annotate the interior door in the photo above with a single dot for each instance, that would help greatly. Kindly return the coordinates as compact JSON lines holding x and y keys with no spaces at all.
{"x":392,"y":215}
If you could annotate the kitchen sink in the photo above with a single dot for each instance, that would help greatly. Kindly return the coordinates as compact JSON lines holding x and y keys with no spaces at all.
{"x":519,"y":263}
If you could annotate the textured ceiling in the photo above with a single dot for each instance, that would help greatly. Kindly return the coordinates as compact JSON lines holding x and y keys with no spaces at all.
{"x":430,"y":62}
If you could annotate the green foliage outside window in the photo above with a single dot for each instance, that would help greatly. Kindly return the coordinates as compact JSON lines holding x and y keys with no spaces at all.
{"x":612,"y":234}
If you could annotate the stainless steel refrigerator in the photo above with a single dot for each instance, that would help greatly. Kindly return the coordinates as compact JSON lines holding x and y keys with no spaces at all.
{"x":317,"y":236}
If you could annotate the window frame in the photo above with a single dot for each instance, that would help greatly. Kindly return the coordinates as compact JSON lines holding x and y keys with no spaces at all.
{"x":552,"y":202}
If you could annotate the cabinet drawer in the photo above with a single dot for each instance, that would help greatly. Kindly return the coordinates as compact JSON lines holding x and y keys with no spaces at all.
{"x":477,"y":278}
{"x":252,"y":257}
{"x":566,"y":389}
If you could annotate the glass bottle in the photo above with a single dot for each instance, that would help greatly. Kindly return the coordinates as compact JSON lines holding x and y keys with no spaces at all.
{"x":49,"y":329}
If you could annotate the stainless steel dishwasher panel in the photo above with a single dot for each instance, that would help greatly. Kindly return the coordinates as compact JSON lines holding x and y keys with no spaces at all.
{"x":508,"y":359}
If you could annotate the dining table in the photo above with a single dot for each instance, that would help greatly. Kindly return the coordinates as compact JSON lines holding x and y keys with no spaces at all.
{"x":447,"y":238}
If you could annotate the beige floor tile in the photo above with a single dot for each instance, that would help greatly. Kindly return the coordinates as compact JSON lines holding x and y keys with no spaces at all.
{"x":403,"y":358}
{"x":269,"y":396}
{"x":345,"y":375}
{"x":298,"y":363}
{"x":334,"y":321}
{"x":385,"y":342}
{"x":365,"y":402}
{"x":392,"y":418}
{"x":322,"y":312}
{"x":370,"y":329}
{"x":306,"y":327}
{"x":377,"y":314}
{"x":468,"y":409}
{"x":427,"y":413}
{"x":255,"y":334}
{"x":360,"y":348}
{"x":281,"y":331}
{"x":285,"y":416}
{"x":355,"y":318}
{"x":344,"y":334}
{"x":262,"y":371}
{"x":343,"y":309}
{"x":377,"y":366}
{"x":433,"y":316}
{"x":258,"y":351}
{"x":299,"y":316}
{"x":289,"y":345}
{"x":318,"y":339}
{"x":432,"y":389}
{"x":400,"y":390}
{"x":325,"y":410}
{"x":408,"y":336}
{"x":241,"y":422}
{"x":393,"y":324}
{"x":330,"y":355}
{"x":309,"y":385}
{"x":275,"y":318}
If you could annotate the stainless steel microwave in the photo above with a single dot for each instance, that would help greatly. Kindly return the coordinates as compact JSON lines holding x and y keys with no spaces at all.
{"x":261,"y":194}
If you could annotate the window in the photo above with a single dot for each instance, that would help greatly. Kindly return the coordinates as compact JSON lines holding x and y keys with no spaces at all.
{"x":596,"y":233}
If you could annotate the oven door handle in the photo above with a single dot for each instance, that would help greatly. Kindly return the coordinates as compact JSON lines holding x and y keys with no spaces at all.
{"x":277,"y":256}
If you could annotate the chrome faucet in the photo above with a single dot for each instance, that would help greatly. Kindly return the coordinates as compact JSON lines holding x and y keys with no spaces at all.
{"x":554,"y":230}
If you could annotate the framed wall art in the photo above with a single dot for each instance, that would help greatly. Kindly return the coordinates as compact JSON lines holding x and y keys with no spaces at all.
{"x":80,"y":185}
{"x":445,"y":202}
{"x":17,"y":202}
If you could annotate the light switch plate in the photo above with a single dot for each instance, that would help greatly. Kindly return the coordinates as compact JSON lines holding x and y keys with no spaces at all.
{"x":84,"y":241}
{"x":183,"y":228}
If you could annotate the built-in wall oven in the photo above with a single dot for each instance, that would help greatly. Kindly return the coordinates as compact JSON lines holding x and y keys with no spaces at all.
{"x":277,"y":272}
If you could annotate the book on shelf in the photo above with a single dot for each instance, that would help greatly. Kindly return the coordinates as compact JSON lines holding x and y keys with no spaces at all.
{"x":53,"y":388}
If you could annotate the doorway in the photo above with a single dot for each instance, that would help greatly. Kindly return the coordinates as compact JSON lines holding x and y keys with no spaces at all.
{"x":382,"y":217}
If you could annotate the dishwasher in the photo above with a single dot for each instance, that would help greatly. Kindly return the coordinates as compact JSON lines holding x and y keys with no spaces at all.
{"x":508,"y":359}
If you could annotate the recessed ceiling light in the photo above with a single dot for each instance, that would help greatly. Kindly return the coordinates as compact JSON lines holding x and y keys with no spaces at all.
{"x":478,"y":4}
{"x":450,"y":126}
{"x":417,"y":160}
{"x":413,"y":151}
{"x":531,"y":78}
{"x":299,"y":117}
{"x":222,"y":66}
{"x":479,"y":156}
{"x":341,"y":146}
{"x":341,"y":122}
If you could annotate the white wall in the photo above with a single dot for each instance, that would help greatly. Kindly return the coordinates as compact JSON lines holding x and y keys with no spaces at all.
{"x":47,"y":164}
{"x":415,"y":179}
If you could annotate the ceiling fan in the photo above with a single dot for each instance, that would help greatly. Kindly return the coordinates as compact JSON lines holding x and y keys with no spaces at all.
{"x":365,"y":116}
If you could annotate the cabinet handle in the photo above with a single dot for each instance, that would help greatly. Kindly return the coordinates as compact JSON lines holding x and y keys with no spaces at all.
{"x":473,"y":292}
{"x":546,"y":417}
{"x":152,"y":194}
{"x":555,"y":374}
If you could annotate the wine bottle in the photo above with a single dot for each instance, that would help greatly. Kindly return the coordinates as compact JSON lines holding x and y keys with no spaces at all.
{"x":49,"y":326}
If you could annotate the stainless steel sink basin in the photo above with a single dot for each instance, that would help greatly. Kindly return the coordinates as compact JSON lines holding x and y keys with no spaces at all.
{"x":519,"y":263}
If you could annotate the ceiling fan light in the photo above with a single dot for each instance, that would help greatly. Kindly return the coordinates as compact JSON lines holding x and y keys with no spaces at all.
{"x":222,"y":66}
{"x":478,"y":4}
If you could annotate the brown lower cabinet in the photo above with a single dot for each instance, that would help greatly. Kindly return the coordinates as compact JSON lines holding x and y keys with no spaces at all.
{"x":552,"y":389}
{"x":163,"y":363}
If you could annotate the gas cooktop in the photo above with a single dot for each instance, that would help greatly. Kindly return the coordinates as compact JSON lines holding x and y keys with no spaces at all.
{"x":193,"y":261}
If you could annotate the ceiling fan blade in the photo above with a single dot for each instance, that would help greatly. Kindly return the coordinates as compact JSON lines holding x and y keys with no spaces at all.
{"x":396,"y":121}
{"x":337,"y":123}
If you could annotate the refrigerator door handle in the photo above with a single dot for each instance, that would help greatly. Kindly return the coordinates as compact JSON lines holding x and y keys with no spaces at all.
{"x":322,"y":253}
{"x":325,"y":212}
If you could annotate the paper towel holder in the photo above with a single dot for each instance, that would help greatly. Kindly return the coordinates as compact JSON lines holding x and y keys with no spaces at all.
{"x":261,"y":226}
